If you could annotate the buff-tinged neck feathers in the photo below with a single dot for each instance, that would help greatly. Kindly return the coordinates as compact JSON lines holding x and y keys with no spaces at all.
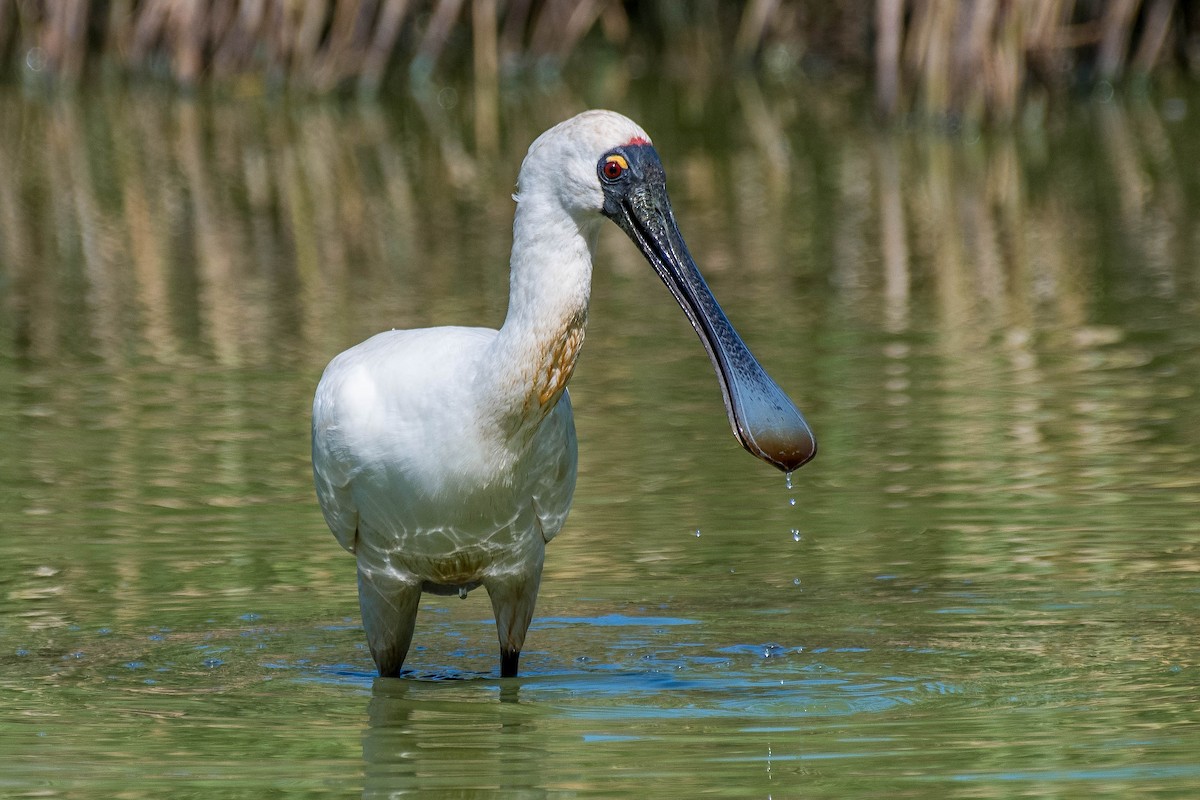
{"x":559,"y":200}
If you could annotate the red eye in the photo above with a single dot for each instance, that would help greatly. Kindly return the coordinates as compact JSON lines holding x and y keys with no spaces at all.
{"x":614,"y":167}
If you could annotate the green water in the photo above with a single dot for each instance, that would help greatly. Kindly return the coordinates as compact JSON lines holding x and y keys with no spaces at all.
{"x":986,"y":585}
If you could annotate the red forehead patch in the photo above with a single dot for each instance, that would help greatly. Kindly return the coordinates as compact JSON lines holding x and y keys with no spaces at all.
{"x":638,"y":140}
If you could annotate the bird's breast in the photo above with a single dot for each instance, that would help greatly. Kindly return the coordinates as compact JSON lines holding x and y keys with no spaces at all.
{"x":444,"y":479}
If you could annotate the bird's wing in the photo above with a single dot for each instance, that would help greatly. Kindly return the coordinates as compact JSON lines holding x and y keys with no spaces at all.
{"x":359,"y":430}
{"x":331,"y":470}
{"x":556,"y":449}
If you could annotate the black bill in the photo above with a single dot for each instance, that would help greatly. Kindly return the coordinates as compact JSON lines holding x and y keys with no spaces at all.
{"x":762,"y":416}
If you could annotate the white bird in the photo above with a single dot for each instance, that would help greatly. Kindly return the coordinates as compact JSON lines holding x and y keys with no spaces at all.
{"x":445,"y":458}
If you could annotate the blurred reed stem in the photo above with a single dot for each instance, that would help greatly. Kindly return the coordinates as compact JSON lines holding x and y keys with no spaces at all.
{"x":974,"y":60}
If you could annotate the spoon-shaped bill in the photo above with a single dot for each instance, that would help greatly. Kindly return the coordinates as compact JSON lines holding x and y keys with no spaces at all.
{"x":763,"y":418}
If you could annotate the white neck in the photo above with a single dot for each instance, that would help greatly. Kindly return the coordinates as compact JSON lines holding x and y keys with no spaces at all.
{"x":533,"y":356}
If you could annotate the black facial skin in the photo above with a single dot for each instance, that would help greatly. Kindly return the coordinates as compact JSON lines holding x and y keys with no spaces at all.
{"x":762,"y":417}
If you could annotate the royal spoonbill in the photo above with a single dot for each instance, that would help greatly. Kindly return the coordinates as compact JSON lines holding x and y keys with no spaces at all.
{"x":444,"y":458}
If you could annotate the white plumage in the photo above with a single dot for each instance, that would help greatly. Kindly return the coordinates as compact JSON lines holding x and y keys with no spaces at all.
{"x":445,"y":458}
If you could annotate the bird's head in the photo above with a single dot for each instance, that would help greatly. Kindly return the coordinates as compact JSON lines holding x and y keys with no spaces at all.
{"x":602,"y":164}
{"x":563,"y":162}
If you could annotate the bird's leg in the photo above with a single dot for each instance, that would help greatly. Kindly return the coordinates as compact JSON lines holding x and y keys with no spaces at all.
{"x":513,"y":598}
{"x":389,"y":613}
{"x":508,"y":662}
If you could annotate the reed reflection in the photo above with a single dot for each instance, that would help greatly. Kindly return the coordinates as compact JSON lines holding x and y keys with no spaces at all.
{"x":239,"y":230}
{"x":1007,"y":315}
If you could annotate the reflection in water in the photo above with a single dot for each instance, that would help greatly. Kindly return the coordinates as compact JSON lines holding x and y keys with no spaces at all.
{"x":248,"y":232}
{"x":414,"y":739}
{"x":633,"y":722}
{"x":994,"y":585}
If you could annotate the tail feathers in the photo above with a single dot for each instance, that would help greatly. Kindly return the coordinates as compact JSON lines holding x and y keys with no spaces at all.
{"x":389,"y":613}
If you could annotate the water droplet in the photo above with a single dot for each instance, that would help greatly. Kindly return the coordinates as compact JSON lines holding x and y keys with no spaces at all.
{"x":792,"y":501}
{"x":697,"y":532}
{"x":35,"y":59}
{"x":795,"y":581}
{"x":789,"y":480}
{"x":773,"y":650}
{"x":795,"y":535}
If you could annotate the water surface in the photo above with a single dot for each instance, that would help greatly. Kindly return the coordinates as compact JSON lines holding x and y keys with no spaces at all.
{"x":986,"y":585}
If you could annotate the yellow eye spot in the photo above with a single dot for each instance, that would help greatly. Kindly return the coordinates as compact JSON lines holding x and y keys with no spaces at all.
{"x":614,"y":167}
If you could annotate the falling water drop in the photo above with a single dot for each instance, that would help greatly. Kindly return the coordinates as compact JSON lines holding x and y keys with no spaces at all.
{"x":789,"y":480}
{"x":697,"y":533}
{"x":792,"y":501}
{"x":795,"y":535}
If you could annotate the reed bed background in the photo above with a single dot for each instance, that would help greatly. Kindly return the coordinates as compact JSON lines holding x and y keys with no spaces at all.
{"x":973,"y":59}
